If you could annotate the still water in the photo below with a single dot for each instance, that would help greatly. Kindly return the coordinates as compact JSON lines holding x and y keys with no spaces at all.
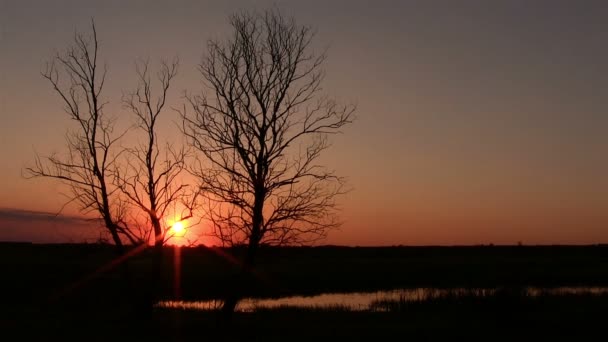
{"x":364,"y":301}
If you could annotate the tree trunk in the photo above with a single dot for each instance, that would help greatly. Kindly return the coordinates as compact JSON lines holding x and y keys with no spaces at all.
{"x":158,"y":257}
{"x":240,"y":282}
{"x":243,"y":278}
{"x":120,"y":249}
{"x":159,"y":239}
{"x":158,"y":269}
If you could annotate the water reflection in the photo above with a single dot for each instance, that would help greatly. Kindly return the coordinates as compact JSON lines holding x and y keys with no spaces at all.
{"x":364,"y":301}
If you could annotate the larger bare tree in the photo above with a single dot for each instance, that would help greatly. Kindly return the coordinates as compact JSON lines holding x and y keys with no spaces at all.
{"x":262,"y":129}
{"x":87,"y":167}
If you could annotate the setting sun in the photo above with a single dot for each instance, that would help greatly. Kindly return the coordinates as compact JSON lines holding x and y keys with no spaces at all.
{"x":178,"y":228}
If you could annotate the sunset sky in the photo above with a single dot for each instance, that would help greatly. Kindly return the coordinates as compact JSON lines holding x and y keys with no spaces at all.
{"x":477,"y":121}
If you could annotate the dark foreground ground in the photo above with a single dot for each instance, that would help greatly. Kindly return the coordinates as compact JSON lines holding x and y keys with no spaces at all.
{"x":79,"y":292}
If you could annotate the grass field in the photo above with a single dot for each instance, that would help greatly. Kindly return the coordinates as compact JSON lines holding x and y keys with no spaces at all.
{"x":58,"y":291}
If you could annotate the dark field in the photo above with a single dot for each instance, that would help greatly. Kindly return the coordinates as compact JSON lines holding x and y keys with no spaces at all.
{"x":75,"y":292}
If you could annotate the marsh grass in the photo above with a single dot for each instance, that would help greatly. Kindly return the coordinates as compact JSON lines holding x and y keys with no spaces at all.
{"x":102,"y":309}
{"x":499,"y":298}
{"x":507,"y":314}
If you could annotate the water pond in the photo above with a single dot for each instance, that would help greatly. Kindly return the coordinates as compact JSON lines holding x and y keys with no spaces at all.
{"x":364,"y":301}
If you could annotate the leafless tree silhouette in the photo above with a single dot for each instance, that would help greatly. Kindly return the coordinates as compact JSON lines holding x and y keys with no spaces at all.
{"x":91,"y":147}
{"x":151,"y":178}
{"x":261,"y":130}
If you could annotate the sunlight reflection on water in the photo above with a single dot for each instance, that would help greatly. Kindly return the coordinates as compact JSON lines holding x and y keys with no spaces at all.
{"x":363,"y":301}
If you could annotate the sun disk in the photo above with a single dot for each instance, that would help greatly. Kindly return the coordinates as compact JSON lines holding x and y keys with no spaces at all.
{"x":178,"y":228}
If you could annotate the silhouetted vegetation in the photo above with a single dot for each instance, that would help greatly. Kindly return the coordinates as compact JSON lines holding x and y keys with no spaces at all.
{"x":261,"y":125}
{"x":133,"y":190}
{"x":311,"y":270}
{"x":86,"y":169}
{"x":55,"y":287}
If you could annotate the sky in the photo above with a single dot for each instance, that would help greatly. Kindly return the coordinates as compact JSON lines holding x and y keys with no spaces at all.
{"x":478,"y":122}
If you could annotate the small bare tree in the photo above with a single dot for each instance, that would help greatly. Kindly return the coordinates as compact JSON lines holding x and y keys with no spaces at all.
{"x":86,"y":169}
{"x":152,"y":177}
{"x":262,"y":130}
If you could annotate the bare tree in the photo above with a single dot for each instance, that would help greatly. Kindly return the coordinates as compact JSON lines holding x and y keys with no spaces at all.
{"x":262,"y":131}
{"x":79,"y":81}
{"x":151,"y":179}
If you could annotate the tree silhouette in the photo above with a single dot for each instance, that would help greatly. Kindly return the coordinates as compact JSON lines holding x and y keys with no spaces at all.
{"x":261,"y":132}
{"x":151,"y":178}
{"x":91,"y":147}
